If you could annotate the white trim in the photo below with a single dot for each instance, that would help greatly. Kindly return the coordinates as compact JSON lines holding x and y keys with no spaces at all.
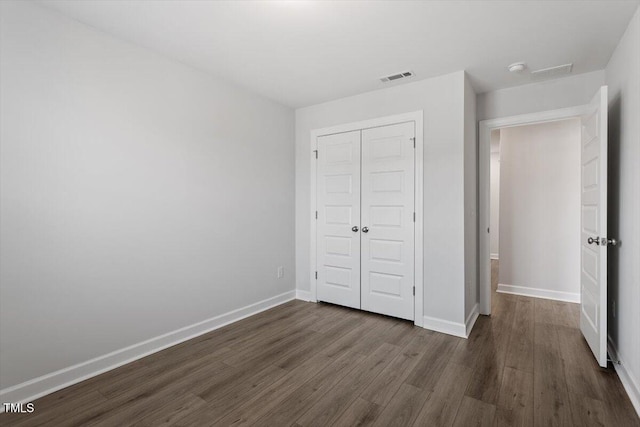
{"x":419,"y":224}
{"x":417,"y":117}
{"x":304,"y":295}
{"x":471,"y":320}
{"x":445,"y":326}
{"x":54,"y":381}
{"x":484,"y":159}
{"x":495,"y":256}
{"x":629,"y":382}
{"x":539,"y":293}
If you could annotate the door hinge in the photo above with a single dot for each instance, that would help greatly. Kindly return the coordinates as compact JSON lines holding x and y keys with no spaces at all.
{"x":316,"y":275}
{"x":414,"y":217}
{"x":414,"y":291}
{"x":316,"y":153}
{"x":316,"y":214}
{"x":414,"y":142}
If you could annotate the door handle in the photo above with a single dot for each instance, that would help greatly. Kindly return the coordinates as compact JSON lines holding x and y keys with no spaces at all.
{"x":354,"y":228}
{"x":609,"y":242}
{"x":592,"y":240}
{"x":365,"y":229}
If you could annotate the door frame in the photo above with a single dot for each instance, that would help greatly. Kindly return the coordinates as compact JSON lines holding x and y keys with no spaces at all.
{"x":417,"y":118}
{"x":484,"y":184}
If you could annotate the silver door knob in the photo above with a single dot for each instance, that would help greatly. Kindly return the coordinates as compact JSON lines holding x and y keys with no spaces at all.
{"x":608,"y":242}
{"x":592,"y":240}
{"x":365,"y":229}
{"x":354,"y":228}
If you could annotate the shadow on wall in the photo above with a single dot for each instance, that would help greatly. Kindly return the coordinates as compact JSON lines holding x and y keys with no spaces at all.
{"x":613,"y":210}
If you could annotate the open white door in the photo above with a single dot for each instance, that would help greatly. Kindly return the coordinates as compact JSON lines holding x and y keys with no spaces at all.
{"x":338,"y":232}
{"x":593,"y":259}
{"x":388,"y":221}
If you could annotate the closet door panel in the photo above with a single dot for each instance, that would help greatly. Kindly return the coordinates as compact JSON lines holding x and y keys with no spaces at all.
{"x":387,"y":238}
{"x":338,"y":202}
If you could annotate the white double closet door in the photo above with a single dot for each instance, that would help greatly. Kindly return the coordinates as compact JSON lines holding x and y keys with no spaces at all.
{"x":365,"y":220}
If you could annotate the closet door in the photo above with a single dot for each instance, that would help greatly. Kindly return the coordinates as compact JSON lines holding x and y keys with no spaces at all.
{"x":338,"y":223}
{"x":388,"y":220}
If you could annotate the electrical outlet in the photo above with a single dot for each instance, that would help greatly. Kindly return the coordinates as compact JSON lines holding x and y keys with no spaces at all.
{"x":280,"y":272}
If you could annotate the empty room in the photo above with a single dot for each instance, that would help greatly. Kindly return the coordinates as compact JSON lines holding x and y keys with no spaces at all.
{"x":320,"y":213}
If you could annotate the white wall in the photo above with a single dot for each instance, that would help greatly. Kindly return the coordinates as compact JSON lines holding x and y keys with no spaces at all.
{"x":494,"y":194}
{"x":472,"y":290}
{"x":623,"y":79}
{"x":442,"y":100}
{"x":139,"y":195}
{"x":540,"y":208}
{"x":541,"y":96}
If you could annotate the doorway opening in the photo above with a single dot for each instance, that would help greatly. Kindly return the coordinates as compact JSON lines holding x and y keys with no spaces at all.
{"x":535,"y":210}
{"x":542,"y":223}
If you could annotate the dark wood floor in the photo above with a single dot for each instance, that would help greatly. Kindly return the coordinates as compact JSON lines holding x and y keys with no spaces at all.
{"x":317,"y":365}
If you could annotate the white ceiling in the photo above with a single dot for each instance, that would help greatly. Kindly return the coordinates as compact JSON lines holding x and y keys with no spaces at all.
{"x":305,"y":52}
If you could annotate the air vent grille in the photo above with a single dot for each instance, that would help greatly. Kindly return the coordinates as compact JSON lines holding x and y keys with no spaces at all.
{"x":396,"y":76}
{"x":552,"y":72}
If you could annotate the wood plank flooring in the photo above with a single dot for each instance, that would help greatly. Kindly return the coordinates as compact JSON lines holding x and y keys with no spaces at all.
{"x":304,"y":364}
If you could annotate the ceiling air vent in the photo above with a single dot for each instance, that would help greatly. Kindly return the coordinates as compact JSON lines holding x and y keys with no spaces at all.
{"x":552,"y":72}
{"x":396,"y":76}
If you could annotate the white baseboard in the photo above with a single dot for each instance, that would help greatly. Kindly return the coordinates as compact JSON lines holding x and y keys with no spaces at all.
{"x":539,"y":293}
{"x":54,"y":381}
{"x":629,"y":382}
{"x":303,"y":295}
{"x":445,"y":326}
{"x":471,"y":320}
{"x":495,"y":256}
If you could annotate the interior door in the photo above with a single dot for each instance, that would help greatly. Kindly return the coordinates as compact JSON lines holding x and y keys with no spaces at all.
{"x":338,"y":223}
{"x":387,"y":236}
{"x":593,"y":260}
